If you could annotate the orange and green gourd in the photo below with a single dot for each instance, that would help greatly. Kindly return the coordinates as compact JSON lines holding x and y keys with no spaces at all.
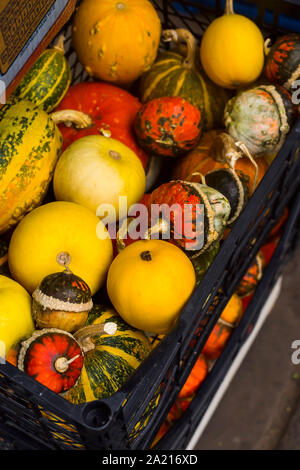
{"x":282,"y":61}
{"x":111,"y":358}
{"x":168,"y":126}
{"x":177,"y":74}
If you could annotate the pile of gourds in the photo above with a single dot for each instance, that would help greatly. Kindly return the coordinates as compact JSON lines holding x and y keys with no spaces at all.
{"x":192,"y":125}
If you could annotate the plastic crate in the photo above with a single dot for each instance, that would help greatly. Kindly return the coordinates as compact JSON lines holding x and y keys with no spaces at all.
{"x":36,"y":418}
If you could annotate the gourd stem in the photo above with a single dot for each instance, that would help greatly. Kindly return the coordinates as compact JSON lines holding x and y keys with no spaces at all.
{"x":59,"y":46}
{"x":71,"y":117}
{"x":182,"y":34}
{"x":64,"y":259}
{"x":122,"y":232}
{"x":161,"y":226}
{"x":196,"y":173}
{"x":246,"y":152}
{"x":229,"y":7}
{"x":62,"y":363}
{"x":267,"y":46}
{"x":84,"y":335}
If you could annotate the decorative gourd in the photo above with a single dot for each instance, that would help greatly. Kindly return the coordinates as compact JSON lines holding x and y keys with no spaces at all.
{"x":185,"y":228}
{"x":174,"y":74}
{"x":142,"y":280}
{"x":54,"y":228}
{"x":97,"y":170}
{"x":259,"y":118}
{"x":168,"y":126}
{"x":228,"y":183}
{"x":111,"y":359}
{"x":52,"y":357}
{"x":202,"y":262}
{"x":217,"y":150}
{"x":116,"y":41}
{"x":195,"y":379}
{"x":232,"y":50}
{"x":62,"y":300}
{"x":15,"y":312}
{"x":111,"y":109}
{"x":223,"y":329}
{"x":282,"y":61}
{"x":252,"y":277}
{"x":47,"y":81}
{"x":30,"y":147}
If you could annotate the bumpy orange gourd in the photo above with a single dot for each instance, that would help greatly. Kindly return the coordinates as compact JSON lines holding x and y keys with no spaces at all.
{"x":116,"y":40}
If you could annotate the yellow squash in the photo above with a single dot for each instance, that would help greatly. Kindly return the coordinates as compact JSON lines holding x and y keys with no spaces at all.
{"x":149,"y":282}
{"x":56,"y":228}
{"x":232,"y":50}
{"x":15,"y":314}
{"x":116,"y":40}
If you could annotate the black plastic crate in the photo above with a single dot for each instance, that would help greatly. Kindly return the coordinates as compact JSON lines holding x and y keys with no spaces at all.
{"x":36,"y":418}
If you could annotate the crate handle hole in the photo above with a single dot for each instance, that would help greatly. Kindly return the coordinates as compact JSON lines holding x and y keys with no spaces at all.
{"x":97,"y":415}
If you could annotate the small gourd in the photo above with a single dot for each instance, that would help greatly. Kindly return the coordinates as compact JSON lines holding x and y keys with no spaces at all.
{"x":192,"y":236}
{"x":282,"y":61}
{"x":62,"y":300}
{"x":180,"y":74}
{"x":252,"y":277}
{"x":260,"y":118}
{"x":55,"y":358}
{"x":232,"y":50}
{"x":168,"y":126}
{"x":224,"y":327}
{"x":52,"y":357}
{"x":47,"y":81}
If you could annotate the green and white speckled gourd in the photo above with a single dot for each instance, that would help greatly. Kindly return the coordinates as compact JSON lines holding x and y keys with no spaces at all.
{"x":259,"y":118}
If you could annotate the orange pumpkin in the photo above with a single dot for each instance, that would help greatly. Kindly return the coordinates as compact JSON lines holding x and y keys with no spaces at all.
{"x":202,"y":160}
{"x":223,"y":329}
{"x":196,"y":377}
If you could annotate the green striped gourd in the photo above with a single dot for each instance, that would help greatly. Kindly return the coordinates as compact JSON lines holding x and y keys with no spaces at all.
{"x":30,"y":144}
{"x":178,"y":73}
{"x":111,"y":360}
{"x":47,"y":81}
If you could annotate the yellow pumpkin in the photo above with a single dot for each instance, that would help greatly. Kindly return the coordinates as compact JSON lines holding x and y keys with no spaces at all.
{"x":52,"y":229}
{"x":232,"y":50}
{"x":116,"y":40}
{"x":149,"y":282}
{"x":97,"y":170}
{"x":15,"y":314}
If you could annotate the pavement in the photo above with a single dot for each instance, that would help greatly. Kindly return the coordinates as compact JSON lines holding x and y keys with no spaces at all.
{"x":261,"y":408}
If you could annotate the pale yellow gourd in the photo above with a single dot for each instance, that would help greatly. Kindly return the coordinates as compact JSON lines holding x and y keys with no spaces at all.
{"x":232,"y":50}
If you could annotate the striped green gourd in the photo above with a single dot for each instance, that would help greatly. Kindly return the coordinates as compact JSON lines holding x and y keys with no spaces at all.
{"x":111,"y":361}
{"x":47,"y":81}
{"x":177,"y":72}
{"x":30,"y":144}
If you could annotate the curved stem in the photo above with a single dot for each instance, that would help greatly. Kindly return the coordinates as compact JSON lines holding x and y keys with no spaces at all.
{"x":59,"y":46}
{"x":71,"y":117}
{"x":161,"y":226}
{"x":267,"y":46}
{"x":182,"y":34}
{"x":196,"y":173}
{"x":84,"y":335}
{"x":229,"y":7}
{"x":248,"y":155}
